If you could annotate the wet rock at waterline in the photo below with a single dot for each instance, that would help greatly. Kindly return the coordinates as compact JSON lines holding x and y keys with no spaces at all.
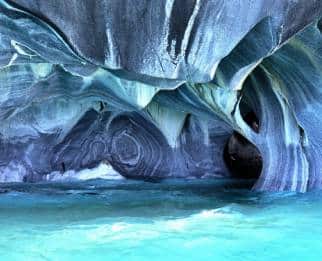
{"x":161,"y":89}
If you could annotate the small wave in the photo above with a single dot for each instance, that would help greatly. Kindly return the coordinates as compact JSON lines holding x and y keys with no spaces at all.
{"x":103,"y":171}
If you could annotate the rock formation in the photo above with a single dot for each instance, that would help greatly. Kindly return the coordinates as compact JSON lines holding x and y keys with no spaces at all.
{"x":162,"y":88}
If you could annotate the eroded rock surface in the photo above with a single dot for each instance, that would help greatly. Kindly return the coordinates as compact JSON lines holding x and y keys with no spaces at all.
{"x":157,"y":88}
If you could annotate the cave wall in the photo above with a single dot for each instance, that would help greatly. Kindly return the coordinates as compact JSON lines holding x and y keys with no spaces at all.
{"x":155,"y":88}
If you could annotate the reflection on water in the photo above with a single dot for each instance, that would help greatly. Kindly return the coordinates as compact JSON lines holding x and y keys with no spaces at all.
{"x":170,"y":220}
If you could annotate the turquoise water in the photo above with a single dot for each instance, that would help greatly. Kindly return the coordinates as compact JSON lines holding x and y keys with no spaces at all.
{"x":172,"y":220}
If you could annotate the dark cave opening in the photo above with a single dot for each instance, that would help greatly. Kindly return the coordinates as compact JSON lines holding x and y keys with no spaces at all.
{"x":249,"y":116}
{"x":319,"y":25}
{"x":242,"y":158}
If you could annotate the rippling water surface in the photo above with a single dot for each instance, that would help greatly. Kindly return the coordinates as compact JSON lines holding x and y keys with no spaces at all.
{"x":171,"y":220}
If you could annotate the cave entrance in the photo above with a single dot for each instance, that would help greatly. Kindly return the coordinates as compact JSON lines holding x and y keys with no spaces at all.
{"x":242,"y":157}
{"x":319,"y":25}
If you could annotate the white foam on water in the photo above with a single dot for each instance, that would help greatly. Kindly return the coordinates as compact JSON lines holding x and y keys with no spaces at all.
{"x":117,"y":227}
{"x":191,"y":222}
{"x":103,"y":171}
{"x":213,"y":213}
{"x":177,"y":225}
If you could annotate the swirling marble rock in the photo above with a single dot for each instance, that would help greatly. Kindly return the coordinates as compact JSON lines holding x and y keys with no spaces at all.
{"x":157,"y":89}
{"x":174,"y":39}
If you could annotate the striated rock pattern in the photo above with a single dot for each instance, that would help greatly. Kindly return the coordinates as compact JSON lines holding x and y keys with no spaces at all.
{"x":157,"y":88}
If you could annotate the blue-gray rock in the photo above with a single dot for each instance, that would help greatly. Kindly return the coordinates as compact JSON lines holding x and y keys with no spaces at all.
{"x":157,"y":88}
